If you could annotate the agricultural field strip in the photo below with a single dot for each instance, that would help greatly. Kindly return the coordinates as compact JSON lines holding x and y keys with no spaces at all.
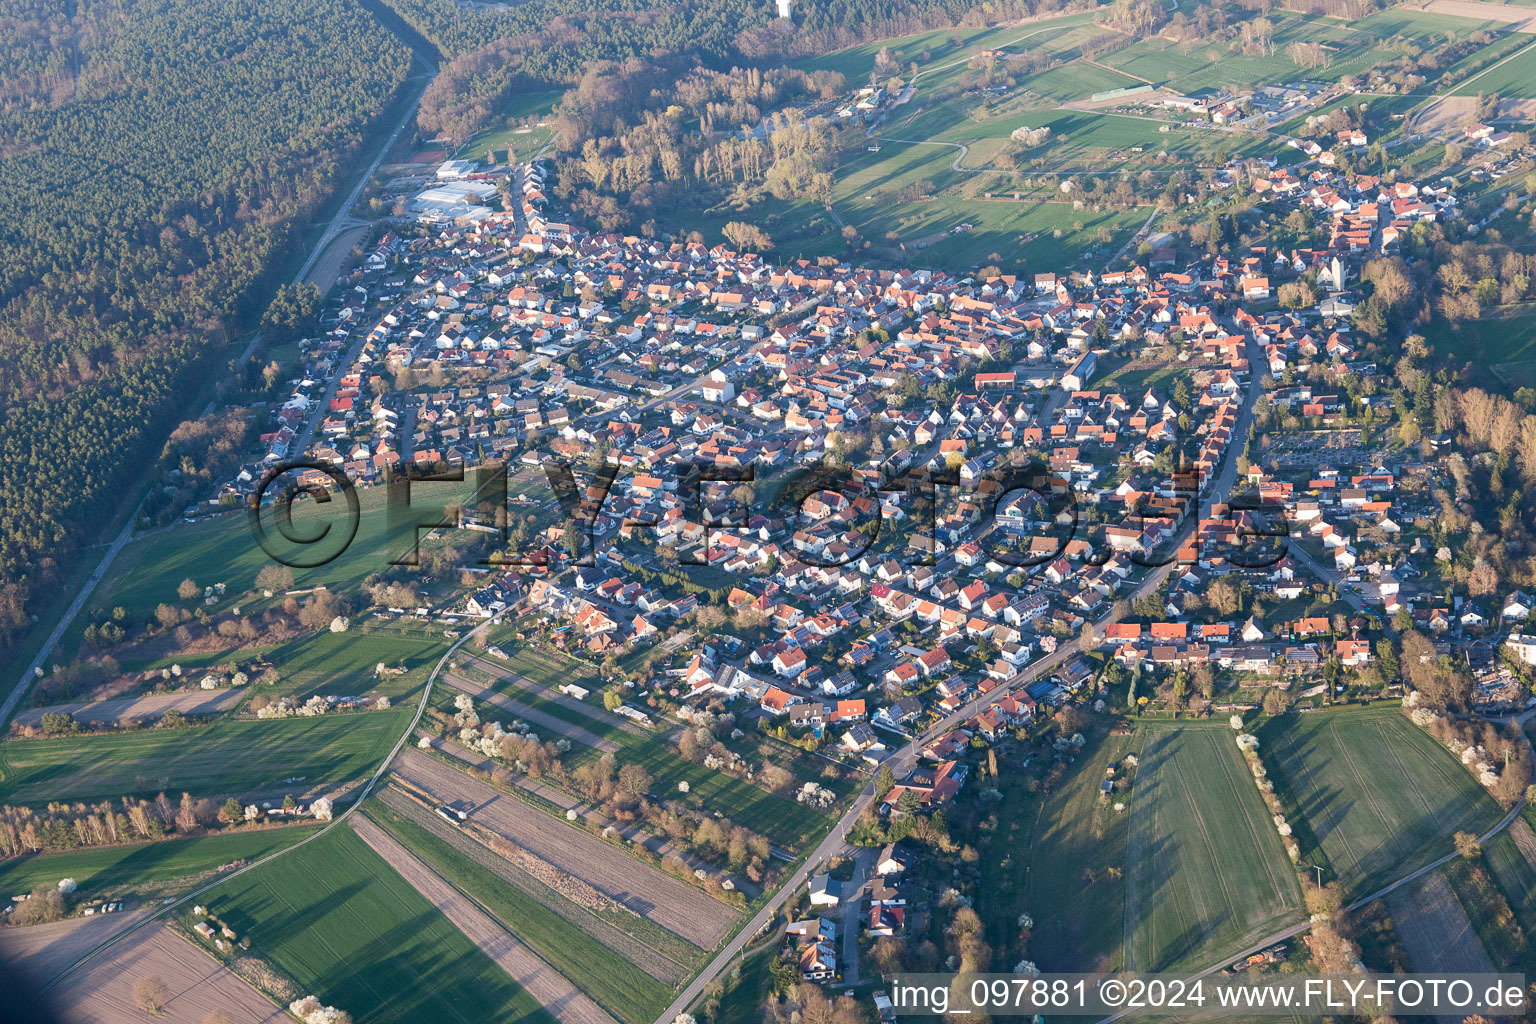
{"x":669,"y":967}
{"x":553,"y":990}
{"x":1166,"y":816}
{"x":1435,"y":928}
{"x":421,"y":707}
{"x":198,"y":984}
{"x":111,"y":765}
{"x":380,"y":996}
{"x":116,"y":709}
{"x":673,"y":904}
{"x":551,"y":693}
{"x":46,"y":950}
{"x":1291,"y":932}
{"x":1307,"y":772}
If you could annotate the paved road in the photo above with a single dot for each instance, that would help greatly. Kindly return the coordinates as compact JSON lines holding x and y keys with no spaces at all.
{"x":853,"y":897}
{"x":905,"y":757}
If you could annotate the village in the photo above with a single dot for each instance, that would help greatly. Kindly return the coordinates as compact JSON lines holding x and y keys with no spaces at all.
{"x":1023,"y":492}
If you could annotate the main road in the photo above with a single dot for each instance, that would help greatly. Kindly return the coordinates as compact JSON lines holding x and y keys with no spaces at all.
{"x":905,"y":757}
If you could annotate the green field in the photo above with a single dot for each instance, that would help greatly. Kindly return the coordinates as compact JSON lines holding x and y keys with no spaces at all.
{"x":1491,"y":341}
{"x":1379,"y":794}
{"x":1514,"y":79}
{"x":1515,"y":875}
{"x":1075,"y":81}
{"x":945,"y":59}
{"x":223,"y":550}
{"x":615,"y":983}
{"x":1206,"y":874}
{"x":344,"y":663}
{"x":115,"y":867}
{"x":1077,"y":904}
{"x":338,"y":919}
{"x":225,"y":757}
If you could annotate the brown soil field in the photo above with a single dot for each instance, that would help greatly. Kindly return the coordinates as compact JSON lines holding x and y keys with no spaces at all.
{"x":1434,"y":929}
{"x":152,"y":705}
{"x":196,"y":985}
{"x":675,"y":905}
{"x":547,"y":985}
{"x":653,"y":962}
{"x":43,"y":950}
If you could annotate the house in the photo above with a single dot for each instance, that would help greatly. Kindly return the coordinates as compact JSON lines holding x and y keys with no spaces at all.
{"x":1518,"y":607}
{"x":825,"y":891}
{"x":789,"y":663}
{"x":893,"y":860}
{"x":886,"y":920}
{"x":818,"y":961}
{"x":812,"y":930}
{"x":1522,"y":646}
{"x":776,"y":701}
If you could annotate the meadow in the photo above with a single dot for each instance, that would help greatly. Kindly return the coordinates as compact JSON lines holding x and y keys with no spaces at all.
{"x":345,"y":926}
{"x":112,"y":868}
{"x":1206,"y":874}
{"x":1346,"y":773}
{"x":344,"y":663}
{"x":228,"y":756}
{"x":612,"y":981}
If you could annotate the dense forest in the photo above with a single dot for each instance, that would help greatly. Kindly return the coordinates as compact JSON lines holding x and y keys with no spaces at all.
{"x":492,"y":55}
{"x":155,"y":158}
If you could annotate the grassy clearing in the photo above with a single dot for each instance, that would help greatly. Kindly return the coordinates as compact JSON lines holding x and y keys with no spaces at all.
{"x":338,"y":919}
{"x":602,"y":973}
{"x":1075,"y":81}
{"x":935,"y":51}
{"x":118,"y":867}
{"x":1347,"y":772}
{"x":1206,"y":874}
{"x":225,"y":757}
{"x":222,"y":550}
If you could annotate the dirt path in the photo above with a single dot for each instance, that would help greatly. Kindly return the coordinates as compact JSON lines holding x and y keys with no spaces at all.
{"x":196,"y":986}
{"x":110,"y":712}
{"x":548,"y":986}
{"x":675,"y":905}
{"x":558,"y":726}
